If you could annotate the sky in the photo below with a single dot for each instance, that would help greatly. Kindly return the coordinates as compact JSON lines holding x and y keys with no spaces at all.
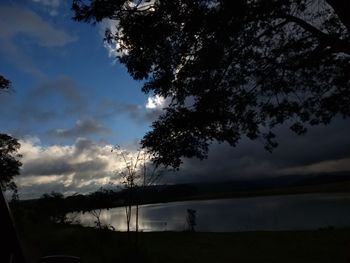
{"x":72,"y":102}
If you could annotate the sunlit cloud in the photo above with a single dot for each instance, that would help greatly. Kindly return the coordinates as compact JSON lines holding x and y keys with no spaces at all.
{"x":81,"y":167}
{"x":155,"y":102}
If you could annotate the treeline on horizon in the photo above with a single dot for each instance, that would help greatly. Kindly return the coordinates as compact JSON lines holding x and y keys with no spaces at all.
{"x":54,"y":203}
{"x":55,"y":206}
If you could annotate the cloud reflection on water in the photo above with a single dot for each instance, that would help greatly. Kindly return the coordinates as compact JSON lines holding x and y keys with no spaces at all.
{"x":289,"y":212}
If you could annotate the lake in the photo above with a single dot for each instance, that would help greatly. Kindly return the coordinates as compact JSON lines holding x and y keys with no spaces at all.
{"x":286,"y":212}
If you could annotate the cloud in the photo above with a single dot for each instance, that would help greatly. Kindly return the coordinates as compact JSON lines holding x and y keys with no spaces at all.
{"x":322,"y":149}
{"x":324,"y":166}
{"x":51,"y":5}
{"x":155,"y":102}
{"x":61,"y":90}
{"x":17,"y":21}
{"x":17,"y":57}
{"x":81,"y":167}
{"x":52,"y":101}
{"x":85,"y":166}
{"x":112,"y":46}
{"x":139,"y":113}
{"x":82,"y":128}
{"x":149,"y":112}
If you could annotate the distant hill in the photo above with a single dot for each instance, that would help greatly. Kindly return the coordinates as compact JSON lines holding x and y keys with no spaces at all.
{"x":273,"y":182}
{"x":287,"y":184}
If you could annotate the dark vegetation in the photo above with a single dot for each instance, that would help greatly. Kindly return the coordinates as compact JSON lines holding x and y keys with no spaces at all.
{"x":9,"y":157}
{"x":9,"y":168}
{"x":93,"y":245}
{"x":231,"y":69}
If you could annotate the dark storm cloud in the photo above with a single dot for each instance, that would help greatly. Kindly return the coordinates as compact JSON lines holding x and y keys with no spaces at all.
{"x":319,"y":147}
{"x":48,"y":165}
{"x":82,"y":128}
{"x":61,"y":166}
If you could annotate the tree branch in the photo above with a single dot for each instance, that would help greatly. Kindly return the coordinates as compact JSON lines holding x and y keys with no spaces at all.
{"x":337,"y":44}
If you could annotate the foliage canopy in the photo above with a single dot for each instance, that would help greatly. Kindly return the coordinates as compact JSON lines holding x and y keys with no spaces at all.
{"x":231,"y":68}
{"x":9,"y":163}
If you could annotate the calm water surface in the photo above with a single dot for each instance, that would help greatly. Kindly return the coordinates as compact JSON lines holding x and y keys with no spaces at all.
{"x":288,"y":212}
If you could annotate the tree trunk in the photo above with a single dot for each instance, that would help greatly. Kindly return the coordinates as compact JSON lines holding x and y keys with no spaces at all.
{"x":137,"y":226}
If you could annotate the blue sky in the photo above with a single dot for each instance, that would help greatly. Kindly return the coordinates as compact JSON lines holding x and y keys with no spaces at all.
{"x":53,"y":63}
{"x":72,"y":102}
{"x":68,"y":90}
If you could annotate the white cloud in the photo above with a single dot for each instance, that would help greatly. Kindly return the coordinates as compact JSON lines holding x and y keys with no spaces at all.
{"x":37,"y":180}
{"x":112,"y":47}
{"x":156,"y":102}
{"x":82,"y":167}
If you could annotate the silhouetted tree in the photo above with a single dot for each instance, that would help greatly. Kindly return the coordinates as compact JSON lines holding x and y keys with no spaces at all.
{"x":52,"y":206}
{"x":137,"y":174}
{"x":5,"y":84}
{"x":10,"y":250}
{"x":9,"y":163}
{"x":98,"y":200}
{"x":9,"y":157}
{"x":231,"y":68}
{"x":96,"y":213}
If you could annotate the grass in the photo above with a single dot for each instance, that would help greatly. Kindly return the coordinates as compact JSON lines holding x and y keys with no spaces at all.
{"x":92,"y":245}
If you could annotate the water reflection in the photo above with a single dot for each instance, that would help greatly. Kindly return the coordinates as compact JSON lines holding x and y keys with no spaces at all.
{"x":289,"y":212}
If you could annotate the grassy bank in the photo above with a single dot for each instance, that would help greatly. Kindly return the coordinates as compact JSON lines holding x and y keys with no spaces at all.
{"x":92,"y":245}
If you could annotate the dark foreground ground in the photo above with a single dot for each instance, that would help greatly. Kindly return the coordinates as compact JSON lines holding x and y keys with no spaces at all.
{"x":93,"y":245}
